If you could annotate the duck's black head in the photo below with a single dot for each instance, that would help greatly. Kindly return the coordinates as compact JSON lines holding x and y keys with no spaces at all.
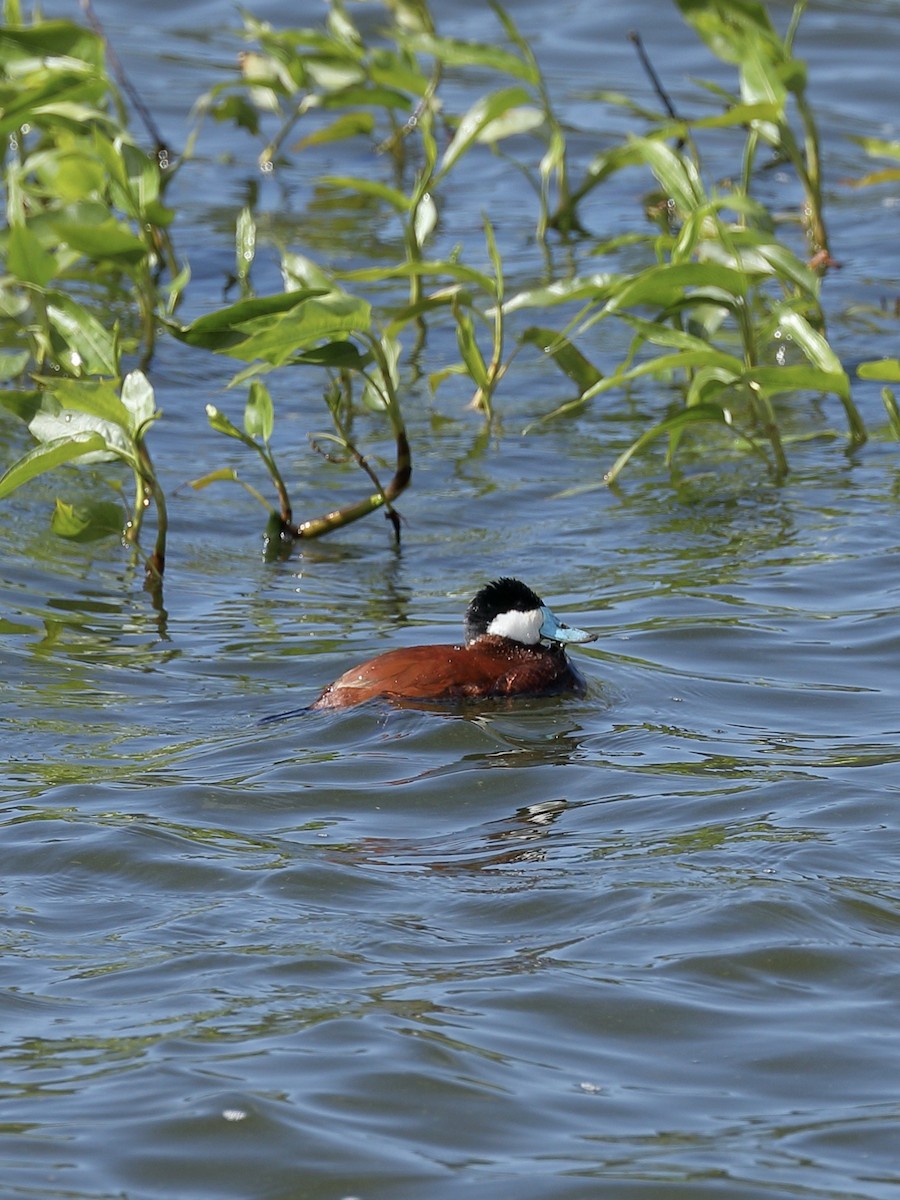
{"x":508,"y":608}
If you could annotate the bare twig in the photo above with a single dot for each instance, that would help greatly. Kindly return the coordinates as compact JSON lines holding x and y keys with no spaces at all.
{"x":635,"y":38}
{"x":161,"y":149}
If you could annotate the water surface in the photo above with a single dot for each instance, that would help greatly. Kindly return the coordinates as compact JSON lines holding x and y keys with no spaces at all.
{"x":643,"y":943}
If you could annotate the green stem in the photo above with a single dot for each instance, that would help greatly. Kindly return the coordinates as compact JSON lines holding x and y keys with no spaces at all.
{"x":319,"y":526}
{"x":148,"y":486}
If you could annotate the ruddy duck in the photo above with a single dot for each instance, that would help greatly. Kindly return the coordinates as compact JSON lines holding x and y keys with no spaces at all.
{"x":514,"y":647}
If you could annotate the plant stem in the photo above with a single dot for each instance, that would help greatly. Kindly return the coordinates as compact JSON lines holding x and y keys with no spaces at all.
{"x":318,"y":526}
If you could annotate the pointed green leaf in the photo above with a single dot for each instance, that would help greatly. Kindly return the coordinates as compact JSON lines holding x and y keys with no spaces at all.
{"x":677,"y":175}
{"x":244,"y":244}
{"x":47,"y":456}
{"x":88,"y":521}
{"x":893,"y":411}
{"x":887,"y":370}
{"x":279,"y":338}
{"x":468,"y":348}
{"x":663,"y":285}
{"x":523,"y":118}
{"x":64,"y":424}
{"x":454,"y":53}
{"x":221,"y":475}
{"x":23,"y":404}
{"x":27,"y":259}
{"x":564,"y":291}
{"x":773,"y":381}
{"x":489,"y":108}
{"x":347,"y":125}
{"x":92,"y":348}
{"x":698,"y":414}
{"x":567,"y":356}
{"x":259,"y":415}
{"x":220,"y":423}
{"x":13,"y":363}
{"x":96,"y":398}
{"x":813,"y":344}
{"x":108,"y":240}
{"x":369,"y":187}
{"x":227,"y":326}
{"x":336,"y":355}
{"x":426,"y":219}
{"x":138,"y":399}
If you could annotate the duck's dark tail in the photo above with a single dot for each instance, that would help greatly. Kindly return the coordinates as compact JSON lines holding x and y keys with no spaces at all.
{"x":284,"y":716}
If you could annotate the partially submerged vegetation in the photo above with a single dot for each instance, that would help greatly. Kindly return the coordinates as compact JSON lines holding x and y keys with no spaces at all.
{"x":724,"y":309}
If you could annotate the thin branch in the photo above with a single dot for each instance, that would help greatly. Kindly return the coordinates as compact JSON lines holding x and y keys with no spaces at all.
{"x":635,"y":38}
{"x":162,"y":150}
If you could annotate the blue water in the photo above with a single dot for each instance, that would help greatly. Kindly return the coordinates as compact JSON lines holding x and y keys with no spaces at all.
{"x":639,"y":944}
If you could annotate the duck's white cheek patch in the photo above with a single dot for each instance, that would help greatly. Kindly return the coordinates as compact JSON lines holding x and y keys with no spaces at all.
{"x":524,"y":627}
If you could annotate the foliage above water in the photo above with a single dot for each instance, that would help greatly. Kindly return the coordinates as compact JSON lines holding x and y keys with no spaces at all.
{"x":723,"y":308}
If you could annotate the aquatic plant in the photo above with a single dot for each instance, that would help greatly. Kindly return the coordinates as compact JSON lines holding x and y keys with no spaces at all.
{"x":732,"y":311}
{"x":315,"y":323}
{"x":721,"y":303}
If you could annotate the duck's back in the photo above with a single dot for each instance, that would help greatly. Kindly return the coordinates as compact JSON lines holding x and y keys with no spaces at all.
{"x":491,"y":666}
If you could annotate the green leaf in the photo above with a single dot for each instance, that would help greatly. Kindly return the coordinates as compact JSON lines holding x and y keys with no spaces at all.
{"x":347,"y":125}
{"x":13,"y":363}
{"x":108,"y":240}
{"x":244,"y":244}
{"x":369,"y":187}
{"x":27,"y":259}
{"x":885,"y":369}
{"x":138,"y":400}
{"x":53,"y":39}
{"x":787,"y":265}
{"x":878,"y":147}
{"x":735,"y":114}
{"x":666,"y":335}
{"x":813,"y":344}
{"x":220,"y":423}
{"x":338,"y":356}
{"x":279,"y":338}
{"x":833,"y":376}
{"x":565,"y":291}
{"x":47,"y":456}
{"x":48,"y":427}
{"x":454,"y":53}
{"x":893,"y":411}
{"x":567,"y":356}
{"x":229,"y":326}
{"x":489,"y":108}
{"x":663,"y":285}
{"x":259,"y":415}
{"x":426,"y":219}
{"x":671,"y":426}
{"x":468,"y":348}
{"x":276,"y":328}
{"x":92,"y":348}
{"x":300,"y":273}
{"x":95,"y":397}
{"x":24,"y":404}
{"x":88,"y":521}
{"x":888,"y":175}
{"x":524,"y":118}
{"x":677,"y":175}
{"x":222,"y":475}
{"x":773,"y":381}
{"x":368,"y":96}
{"x":730,"y":27}
{"x":230,"y":475}
{"x":439,"y":268}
